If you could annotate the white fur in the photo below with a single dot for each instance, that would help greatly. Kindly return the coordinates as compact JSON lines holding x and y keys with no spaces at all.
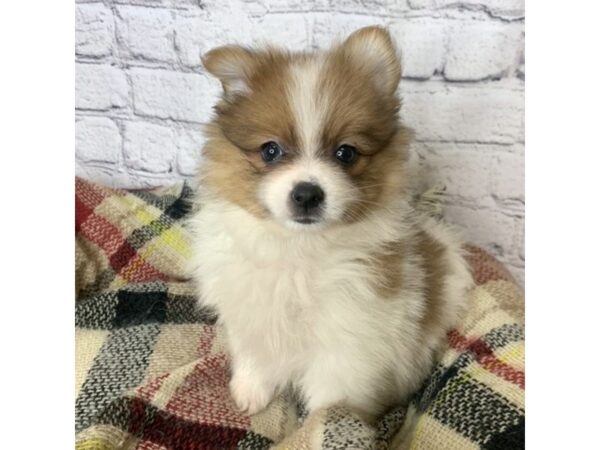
{"x":275,"y":190}
{"x":299,"y":307}
{"x":307,"y":107}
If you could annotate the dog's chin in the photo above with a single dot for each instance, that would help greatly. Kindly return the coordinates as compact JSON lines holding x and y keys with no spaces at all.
{"x":305,"y":223}
{"x":298,"y":222}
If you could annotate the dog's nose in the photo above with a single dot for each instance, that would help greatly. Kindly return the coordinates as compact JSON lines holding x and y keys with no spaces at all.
{"x":307,"y":195}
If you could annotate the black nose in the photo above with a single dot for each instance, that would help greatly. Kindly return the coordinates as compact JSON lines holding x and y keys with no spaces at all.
{"x":307,"y":196}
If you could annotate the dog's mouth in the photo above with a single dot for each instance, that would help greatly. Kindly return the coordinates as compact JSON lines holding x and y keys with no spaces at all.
{"x":307,"y":220}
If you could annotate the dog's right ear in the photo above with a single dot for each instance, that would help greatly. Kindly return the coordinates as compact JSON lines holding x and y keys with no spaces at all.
{"x":373,"y":49}
{"x":233,"y":66}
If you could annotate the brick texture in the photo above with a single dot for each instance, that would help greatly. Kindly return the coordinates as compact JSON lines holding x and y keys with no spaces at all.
{"x":94,"y":30}
{"x":142,"y":95}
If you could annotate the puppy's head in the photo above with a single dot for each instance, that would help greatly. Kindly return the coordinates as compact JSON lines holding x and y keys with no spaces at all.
{"x":308,"y":140}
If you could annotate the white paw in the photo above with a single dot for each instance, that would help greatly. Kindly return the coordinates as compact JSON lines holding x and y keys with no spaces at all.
{"x":250,"y":395}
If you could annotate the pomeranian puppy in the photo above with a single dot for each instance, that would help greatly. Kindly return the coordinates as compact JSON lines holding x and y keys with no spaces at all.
{"x":323,"y":275}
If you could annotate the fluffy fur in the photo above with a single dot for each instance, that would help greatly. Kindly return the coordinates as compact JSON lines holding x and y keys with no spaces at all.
{"x":353,"y":308}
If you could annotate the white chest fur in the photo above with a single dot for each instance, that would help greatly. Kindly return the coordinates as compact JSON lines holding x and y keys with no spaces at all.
{"x":302,"y":307}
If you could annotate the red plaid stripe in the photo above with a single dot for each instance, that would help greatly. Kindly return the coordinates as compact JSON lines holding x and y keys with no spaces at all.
{"x":485,"y":356}
{"x":204,"y":395}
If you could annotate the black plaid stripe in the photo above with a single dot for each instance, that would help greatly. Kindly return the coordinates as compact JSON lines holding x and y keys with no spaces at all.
{"x":173,"y":206}
{"x":116,"y":413}
{"x":173,"y":209}
{"x":160,"y":201}
{"x":139,"y":237}
{"x":138,"y":304}
{"x":454,"y":398}
{"x":474,"y":410}
{"x":136,"y":308}
{"x":497,"y":338}
{"x":166,"y":201}
{"x":253,"y":441}
{"x":185,"y":309}
{"x":182,"y":205}
{"x":503,"y":335}
{"x":389,"y":425}
{"x":101,"y":283}
{"x":437,"y":381}
{"x":512,"y":438}
{"x":142,"y":235}
{"x":119,"y":365}
{"x":344,"y":431}
{"x":97,"y":312}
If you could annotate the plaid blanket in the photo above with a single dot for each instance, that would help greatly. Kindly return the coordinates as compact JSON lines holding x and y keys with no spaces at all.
{"x":152,"y":368}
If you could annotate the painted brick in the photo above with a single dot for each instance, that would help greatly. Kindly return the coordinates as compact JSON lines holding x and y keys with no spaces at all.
{"x":368,"y":7}
{"x":189,"y":150}
{"x":280,"y":6}
{"x":509,"y":179}
{"x":331,"y":27}
{"x":149,"y":147}
{"x":94,"y":30}
{"x":199,"y":32}
{"x":97,"y":139}
{"x":491,"y":229}
{"x":175,"y":4}
{"x":422,"y":44}
{"x":503,"y":8}
{"x":519,"y":238}
{"x":100,"y":87}
{"x":277,"y":28}
{"x":173,"y":95}
{"x":146,"y":33}
{"x":479,"y":50}
{"x":476,"y":172}
{"x":492,"y":112}
{"x":193,"y":38}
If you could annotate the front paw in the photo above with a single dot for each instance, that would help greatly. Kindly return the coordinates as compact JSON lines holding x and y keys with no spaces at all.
{"x":249,"y":394}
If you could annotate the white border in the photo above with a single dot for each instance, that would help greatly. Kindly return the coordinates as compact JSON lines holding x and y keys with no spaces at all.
{"x":562,"y":187}
{"x":37,"y":153}
{"x":562,"y":224}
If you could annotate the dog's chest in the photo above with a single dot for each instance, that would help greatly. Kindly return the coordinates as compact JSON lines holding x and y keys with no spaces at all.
{"x":285,"y":293}
{"x":294,"y":278}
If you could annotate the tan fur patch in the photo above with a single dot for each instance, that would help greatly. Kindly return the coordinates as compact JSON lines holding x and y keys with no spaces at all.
{"x":249,"y":121}
{"x":436,"y":272}
{"x":388,"y":265}
{"x":232,"y":174}
{"x":381,"y":178}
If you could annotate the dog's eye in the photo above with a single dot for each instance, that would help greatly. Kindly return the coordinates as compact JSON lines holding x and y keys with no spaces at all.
{"x":345,"y":153}
{"x":271,"y":152}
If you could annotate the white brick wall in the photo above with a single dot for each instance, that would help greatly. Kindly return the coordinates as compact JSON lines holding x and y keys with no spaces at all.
{"x":141,"y":94}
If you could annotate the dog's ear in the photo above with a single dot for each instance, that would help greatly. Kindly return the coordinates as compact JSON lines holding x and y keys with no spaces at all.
{"x":233,"y":66}
{"x":373,"y":50}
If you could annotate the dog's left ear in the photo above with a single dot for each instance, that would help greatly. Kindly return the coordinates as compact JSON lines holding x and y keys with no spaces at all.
{"x":373,"y":50}
{"x":233,"y":66}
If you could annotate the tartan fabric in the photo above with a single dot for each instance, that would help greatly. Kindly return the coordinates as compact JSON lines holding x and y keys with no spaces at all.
{"x":152,"y":369}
